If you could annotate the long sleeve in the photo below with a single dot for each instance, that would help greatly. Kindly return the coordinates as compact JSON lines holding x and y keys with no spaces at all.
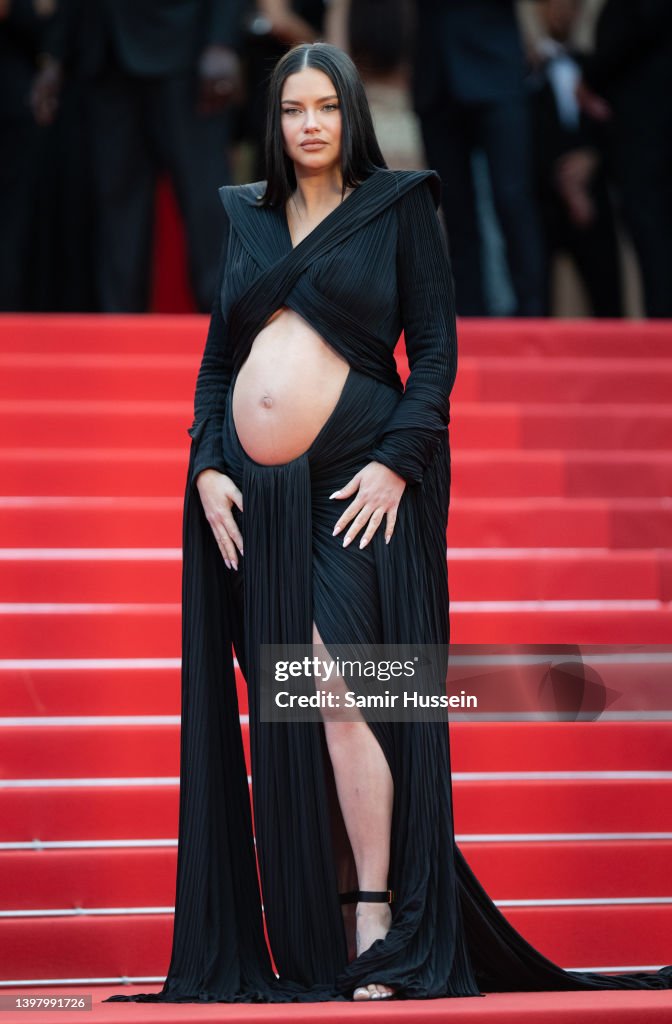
{"x":427,"y":303}
{"x":212,"y":384}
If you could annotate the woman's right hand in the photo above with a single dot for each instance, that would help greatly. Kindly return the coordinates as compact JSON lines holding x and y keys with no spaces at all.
{"x":218,"y":496}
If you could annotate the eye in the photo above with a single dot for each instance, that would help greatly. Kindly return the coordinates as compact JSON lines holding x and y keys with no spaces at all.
{"x":290,"y":110}
{"x":330,"y":106}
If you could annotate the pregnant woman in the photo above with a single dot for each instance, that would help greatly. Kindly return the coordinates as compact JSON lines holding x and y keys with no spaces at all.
{"x":315,"y":514}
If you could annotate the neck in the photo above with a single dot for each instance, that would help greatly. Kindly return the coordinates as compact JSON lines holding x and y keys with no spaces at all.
{"x":317,"y":190}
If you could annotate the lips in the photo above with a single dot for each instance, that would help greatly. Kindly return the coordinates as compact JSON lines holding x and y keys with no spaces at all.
{"x":314,"y":144}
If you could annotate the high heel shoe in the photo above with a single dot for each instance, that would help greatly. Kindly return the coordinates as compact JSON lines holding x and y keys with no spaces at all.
{"x":369,"y":896}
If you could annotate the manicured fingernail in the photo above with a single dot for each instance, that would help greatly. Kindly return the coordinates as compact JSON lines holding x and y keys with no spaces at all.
{"x":387,"y":540}
{"x":227,"y":563}
{"x":334,"y":495}
{"x":337,"y":529}
{"x":362,"y":543}
{"x":234,"y":565}
{"x":346,"y":541}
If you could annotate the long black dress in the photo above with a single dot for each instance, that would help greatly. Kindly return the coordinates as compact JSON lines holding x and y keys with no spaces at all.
{"x":374,"y":265}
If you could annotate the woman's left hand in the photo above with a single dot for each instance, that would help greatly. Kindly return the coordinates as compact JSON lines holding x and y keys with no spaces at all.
{"x":378,"y":493}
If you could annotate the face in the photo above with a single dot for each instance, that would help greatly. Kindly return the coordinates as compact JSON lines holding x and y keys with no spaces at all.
{"x":311,"y":121}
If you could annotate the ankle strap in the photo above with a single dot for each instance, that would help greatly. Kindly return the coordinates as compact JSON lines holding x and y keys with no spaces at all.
{"x":367,"y":896}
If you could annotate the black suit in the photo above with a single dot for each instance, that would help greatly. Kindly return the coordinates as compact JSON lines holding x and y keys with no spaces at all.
{"x":632,"y":68}
{"x":24,"y":147}
{"x":139,"y":58}
{"x":469,"y":90}
{"x":593,"y":247}
{"x":155,"y":37}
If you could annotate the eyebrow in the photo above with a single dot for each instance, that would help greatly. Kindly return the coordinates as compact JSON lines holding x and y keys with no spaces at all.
{"x":321,"y":100}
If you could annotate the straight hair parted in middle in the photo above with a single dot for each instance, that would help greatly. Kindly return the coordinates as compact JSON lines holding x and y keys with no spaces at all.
{"x":360,"y":152}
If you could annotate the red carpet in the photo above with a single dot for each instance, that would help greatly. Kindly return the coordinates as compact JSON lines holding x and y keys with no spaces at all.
{"x":560,"y":532}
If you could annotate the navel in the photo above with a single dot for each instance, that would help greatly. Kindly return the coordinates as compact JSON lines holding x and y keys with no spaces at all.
{"x":267,"y":402}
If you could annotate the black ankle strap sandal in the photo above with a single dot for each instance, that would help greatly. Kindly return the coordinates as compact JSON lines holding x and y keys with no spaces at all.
{"x":367,"y":896}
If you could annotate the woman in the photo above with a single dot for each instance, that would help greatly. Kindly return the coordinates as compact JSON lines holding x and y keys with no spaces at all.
{"x":315,"y":512}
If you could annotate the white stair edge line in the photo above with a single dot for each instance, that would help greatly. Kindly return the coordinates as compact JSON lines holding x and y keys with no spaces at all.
{"x":89,"y":844}
{"x":48,"y":664}
{"x":87,"y":607}
{"x":543,"y":716}
{"x":481,"y":607}
{"x":589,"y":657}
{"x":172,"y":780}
{"x":79,"y":554}
{"x":140,"y":911}
{"x":85,"y":664}
{"x":87,"y":912}
{"x":95,"y":720}
{"x":455,"y":716}
{"x":634,"y":969}
{"x":138,"y":554}
{"x":36,"y":845}
{"x":117,"y":980}
{"x":533,"y":553}
{"x":511,"y":776}
{"x":486,"y":607}
{"x":587,"y":901}
{"x":76,"y":783}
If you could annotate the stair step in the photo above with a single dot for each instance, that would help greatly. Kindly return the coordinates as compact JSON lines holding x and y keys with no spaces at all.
{"x":154,"y":630}
{"x":491,"y":807}
{"x":71,"y":751}
{"x":125,"y":376}
{"x":483,"y":338}
{"x":499,"y":425}
{"x":145,"y":877}
{"x":496,"y":425}
{"x":500,"y":473}
{"x":139,"y":945}
{"x":473,"y":522}
{"x":578,"y":339}
{"x":119,"y":334}
{"x":635,"y":683}
{"x":156,"y":575}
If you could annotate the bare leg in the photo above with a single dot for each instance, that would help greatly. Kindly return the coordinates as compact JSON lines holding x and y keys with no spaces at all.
{"x":365,"y":793}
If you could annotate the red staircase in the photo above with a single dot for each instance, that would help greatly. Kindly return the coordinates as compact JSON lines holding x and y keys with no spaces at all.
{"x":559,"y":533}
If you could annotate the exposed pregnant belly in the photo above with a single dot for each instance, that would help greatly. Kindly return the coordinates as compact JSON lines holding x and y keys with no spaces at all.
{"x":286,"y":389}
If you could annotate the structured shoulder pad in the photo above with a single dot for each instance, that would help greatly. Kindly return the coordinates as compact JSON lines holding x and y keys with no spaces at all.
{"x":407,"y":180}
{"x":235,"y":196}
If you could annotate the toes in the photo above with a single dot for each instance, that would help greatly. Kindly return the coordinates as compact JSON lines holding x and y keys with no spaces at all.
{"x":372,"y":991}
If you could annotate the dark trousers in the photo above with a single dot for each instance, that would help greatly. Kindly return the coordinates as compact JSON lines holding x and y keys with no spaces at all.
{"x":502,"y":130}
{"x":593,"y":249}
{"x":642,"y":158}
{"x":138,"y":127}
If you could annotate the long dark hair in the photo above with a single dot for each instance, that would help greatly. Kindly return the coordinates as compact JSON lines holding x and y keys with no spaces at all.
{"x":360,"y":152}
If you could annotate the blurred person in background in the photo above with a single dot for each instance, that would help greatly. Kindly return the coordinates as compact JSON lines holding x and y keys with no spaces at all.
{"x":161,"y":79}
{"x":627,"y":83}
{"x":272,"y":28}
{"x":29,"y":86}
{"x":572,"y":182}
{"x":469,"y":91}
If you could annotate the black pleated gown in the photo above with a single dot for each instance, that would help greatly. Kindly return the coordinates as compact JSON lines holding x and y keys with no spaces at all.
{"x":375,"y":265}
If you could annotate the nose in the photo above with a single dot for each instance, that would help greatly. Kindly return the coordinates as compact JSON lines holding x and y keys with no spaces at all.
{"x":310,"y":123}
